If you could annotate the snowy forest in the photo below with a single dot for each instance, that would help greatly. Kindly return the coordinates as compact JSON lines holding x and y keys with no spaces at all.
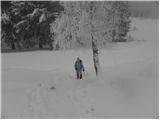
{"x":59,"y":25}
{"x":114,"y":43}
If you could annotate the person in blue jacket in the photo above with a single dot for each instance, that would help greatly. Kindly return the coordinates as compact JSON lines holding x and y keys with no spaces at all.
{"x":79,"y":68}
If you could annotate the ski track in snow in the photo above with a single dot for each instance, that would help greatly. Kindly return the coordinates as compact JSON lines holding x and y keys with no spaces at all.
{"x":40,"y":99}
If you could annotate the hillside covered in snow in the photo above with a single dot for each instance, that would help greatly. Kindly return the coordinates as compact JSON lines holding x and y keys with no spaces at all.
{"x":42,"y":84}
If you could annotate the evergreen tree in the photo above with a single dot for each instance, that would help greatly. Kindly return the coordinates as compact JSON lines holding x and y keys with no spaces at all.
{"x":7,"y":32}
{"x":121,"y":20}
{"x":30,"y":22}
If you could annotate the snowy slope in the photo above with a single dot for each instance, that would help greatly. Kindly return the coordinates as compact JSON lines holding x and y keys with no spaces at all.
{"x":42,"y":84}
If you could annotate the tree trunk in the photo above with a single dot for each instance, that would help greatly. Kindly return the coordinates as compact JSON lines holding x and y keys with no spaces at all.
{"x":40,"y":46}
{"x":13,"y":46}
{"x":94,"y":46}
{"x":95,"y":57}
{"x":51,"y":45}
{"x":18,"y":46}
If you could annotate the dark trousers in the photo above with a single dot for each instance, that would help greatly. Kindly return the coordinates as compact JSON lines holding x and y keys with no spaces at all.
{"x":79,"y":75}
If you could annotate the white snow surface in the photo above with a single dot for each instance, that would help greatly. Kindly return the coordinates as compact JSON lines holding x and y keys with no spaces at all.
{"x":42,"y":84}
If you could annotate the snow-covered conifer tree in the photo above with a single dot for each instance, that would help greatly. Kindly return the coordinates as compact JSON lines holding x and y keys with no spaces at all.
{"x":121,"y":21}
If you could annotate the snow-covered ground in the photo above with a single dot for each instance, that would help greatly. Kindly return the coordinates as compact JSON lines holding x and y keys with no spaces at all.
{"x":42,"y":84}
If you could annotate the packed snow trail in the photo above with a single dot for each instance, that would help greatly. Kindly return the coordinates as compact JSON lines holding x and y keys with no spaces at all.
{"x":42,"y":84}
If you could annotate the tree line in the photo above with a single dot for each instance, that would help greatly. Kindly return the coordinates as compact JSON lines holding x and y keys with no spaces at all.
{"x":62,"y":24}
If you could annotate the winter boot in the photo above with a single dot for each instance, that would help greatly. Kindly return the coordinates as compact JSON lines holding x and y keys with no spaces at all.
{"x":81,"y":76}
{"x":78,"y":76}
